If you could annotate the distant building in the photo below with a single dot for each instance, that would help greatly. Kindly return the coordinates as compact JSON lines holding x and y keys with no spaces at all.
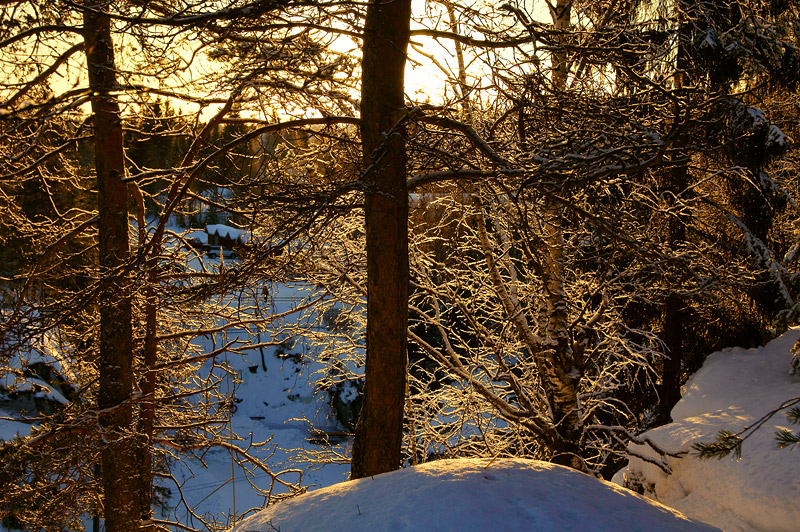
{"x":225,"y":236}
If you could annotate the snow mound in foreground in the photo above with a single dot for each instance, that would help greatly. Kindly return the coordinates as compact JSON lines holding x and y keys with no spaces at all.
{"x":733,"y":389}
{"x":472,"y":495}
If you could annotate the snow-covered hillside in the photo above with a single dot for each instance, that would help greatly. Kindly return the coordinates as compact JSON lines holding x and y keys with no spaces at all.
{"x":758,"y":492}
{"x":271,"y":403}
{"x":734,"y":388}
{"x":472,"y":495}
{"x":274,"y":400}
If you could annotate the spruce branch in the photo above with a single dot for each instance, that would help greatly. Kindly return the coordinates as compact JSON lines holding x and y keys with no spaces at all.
{"x":729,"y":442}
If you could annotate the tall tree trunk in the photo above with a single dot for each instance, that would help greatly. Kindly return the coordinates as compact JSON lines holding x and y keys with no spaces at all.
{"x":147,"y":384}
{"x":675,"y":183}
{"x":119,"y":469}
{"x":379,"y":433}
{"x":560,"y":372}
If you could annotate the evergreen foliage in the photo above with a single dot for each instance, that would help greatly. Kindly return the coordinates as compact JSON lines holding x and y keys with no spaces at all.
{"x":728,"y":442}
{"x":785,"y":437}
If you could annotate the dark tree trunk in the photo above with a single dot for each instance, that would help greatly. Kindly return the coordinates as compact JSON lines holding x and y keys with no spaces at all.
{"x":675,"y":185}
{"x":119,"y":469}
{"x":670,"y":392}
{"x":147,"y":414}
{"x":379,"y":433}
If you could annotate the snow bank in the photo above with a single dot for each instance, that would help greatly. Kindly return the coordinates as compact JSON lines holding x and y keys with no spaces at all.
{"x":760,"y":491}
{"x":472,"y":495}
{"x":9,"y":428}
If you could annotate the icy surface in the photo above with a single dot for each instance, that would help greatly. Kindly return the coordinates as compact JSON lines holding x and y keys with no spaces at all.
{"x":472,"y":495}
{"x":760,"y":491}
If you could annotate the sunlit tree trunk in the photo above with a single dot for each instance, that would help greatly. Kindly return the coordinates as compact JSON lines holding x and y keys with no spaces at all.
{"x":560,"y":372}
{"x":379,"y":433}
{"x":119,"y":469}
{"x":147,"y":382}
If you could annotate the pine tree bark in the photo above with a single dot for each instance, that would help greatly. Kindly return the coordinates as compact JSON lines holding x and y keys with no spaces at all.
{"x":379,"y":433}
{"x":119,"y":471}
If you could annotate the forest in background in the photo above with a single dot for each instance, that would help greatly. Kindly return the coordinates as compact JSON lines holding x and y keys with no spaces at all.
{"x":526,"y":258}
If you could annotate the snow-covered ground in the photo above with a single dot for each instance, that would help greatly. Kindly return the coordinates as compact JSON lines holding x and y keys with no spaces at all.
{"x":759,"y":491}
{"x":273,"y":403}
{"x":472,"y":495}
{"x":275,"y":399}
